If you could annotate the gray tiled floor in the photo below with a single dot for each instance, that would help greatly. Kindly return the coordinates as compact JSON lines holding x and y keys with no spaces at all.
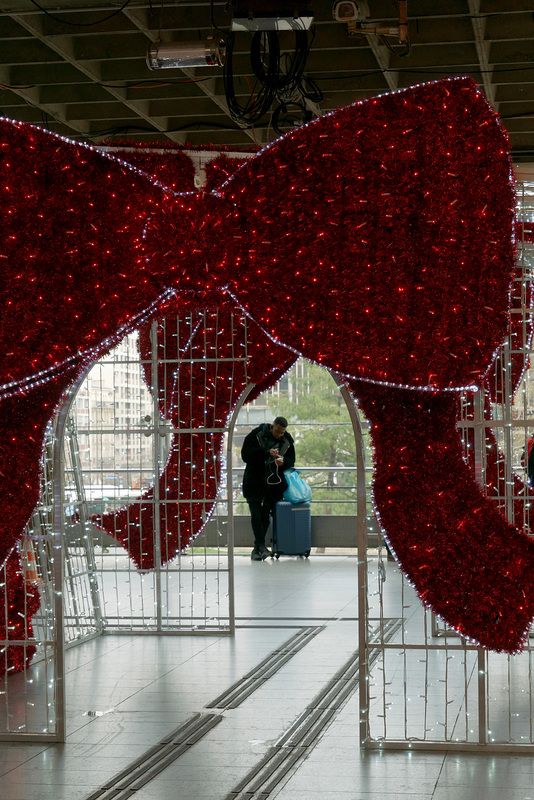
{"x":143,"y":687}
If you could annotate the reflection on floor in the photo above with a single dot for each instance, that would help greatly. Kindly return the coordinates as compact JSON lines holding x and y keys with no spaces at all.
{"x":270,"y":713}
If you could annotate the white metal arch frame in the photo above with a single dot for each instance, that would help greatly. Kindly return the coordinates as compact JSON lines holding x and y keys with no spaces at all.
{"x":75,"y":586}
{"x":423,"y":686}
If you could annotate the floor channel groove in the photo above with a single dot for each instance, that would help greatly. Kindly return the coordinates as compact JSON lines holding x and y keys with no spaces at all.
{"x":293,"y":745}
{"x":303,"y":734}
{"x":150,"y":764}
{"x":245,"y":686}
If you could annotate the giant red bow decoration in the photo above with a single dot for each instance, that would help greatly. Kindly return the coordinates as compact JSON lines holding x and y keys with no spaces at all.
{"x":376,"y":241}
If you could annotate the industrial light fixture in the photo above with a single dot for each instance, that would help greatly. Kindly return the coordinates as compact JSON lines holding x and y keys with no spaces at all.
{"x":166,"y":55}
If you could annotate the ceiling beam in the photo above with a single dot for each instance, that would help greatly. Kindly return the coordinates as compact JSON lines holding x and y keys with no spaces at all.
{"x":479,"y":27}
{"x":383,"y":56}
{"x":31,"y":97}
{"x":64,"y":47}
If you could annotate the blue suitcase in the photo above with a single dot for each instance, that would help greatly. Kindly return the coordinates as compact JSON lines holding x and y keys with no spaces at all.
{"x":291,"y":529}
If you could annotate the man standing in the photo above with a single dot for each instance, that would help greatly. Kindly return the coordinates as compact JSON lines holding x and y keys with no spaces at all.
{"x":267,"y":451}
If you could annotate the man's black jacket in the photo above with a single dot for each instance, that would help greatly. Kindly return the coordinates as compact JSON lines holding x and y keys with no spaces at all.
{"x":263,"y":478}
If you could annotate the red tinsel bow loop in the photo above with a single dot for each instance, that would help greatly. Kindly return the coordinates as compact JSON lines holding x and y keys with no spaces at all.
{"x":380,"y":238}
{"x":377,"y":241}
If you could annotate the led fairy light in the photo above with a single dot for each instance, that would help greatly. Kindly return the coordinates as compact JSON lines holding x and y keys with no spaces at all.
{"x":84,"y":359}
{"x":521,"y":328}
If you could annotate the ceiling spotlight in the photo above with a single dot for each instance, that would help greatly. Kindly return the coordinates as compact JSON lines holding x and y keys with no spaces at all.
{"x":166,"y":55}
{"x":350,"y":10}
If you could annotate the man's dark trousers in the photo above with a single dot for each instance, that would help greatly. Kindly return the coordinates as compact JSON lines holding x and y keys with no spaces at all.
{"x":260,"y":512}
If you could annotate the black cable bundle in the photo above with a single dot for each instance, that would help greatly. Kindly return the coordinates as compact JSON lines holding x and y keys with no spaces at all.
{"x":286,"y":117}
{"x":271,"y":81}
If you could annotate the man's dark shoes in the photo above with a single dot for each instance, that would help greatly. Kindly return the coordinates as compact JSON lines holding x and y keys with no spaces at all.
{"x":260,"y":553}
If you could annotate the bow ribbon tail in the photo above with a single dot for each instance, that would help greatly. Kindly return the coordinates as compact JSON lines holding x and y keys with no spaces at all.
{"x":24,"y":420}
{"x":467,"y":564}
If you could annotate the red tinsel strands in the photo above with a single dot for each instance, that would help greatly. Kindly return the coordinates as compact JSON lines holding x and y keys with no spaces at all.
{"x":28,"y":406}
{"x":194,"y":393}
{"x":465,"y":561}
{"x":24,"y":420}
{"x":219,"y":170}
{"x":171,"y":168}
{"x":391,"y":232}
{"x":58,"y":252}
{"x":519,"y":341}
{"x":496,"y":475}
{"x":22,"y":603}
{"x":525,"y":231}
